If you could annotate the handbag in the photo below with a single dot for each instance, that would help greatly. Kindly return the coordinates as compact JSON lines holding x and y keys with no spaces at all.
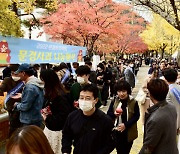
{"x":141,"y":96}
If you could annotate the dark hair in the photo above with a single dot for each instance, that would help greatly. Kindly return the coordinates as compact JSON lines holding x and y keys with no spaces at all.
{"x":56,"y":68}
{"x":170,"y":74}
{"x":123,"y":85}
{"x":158,"y":89}
{"x":155,"y":72}
{"x":88,"y":63}
{"x":14,"y":67}
{"x":154,"y":62}
{"x":91,"y":88}
{"x":52,"y":85}
{"x":75,"y":63}
{"x":110,"y":62}
{"x":83,"y":70}
{"x":101,"y":66}
{"x":29,"y":72}
{"x":104,"y":63}
{"x":36,"y":66}
{"x":127,"y":61}
{"x":30,"y":140}
{"x":62,"y":66}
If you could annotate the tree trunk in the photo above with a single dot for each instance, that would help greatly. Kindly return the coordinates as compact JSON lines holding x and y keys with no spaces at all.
{"x":162,"y":54}
{"x":14,"y":8}
{"x":156,"y":54}
{"x":178,"y":59}
{"x":30,"y":30}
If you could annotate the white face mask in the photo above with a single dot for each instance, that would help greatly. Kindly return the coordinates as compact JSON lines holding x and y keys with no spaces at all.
{"x":99,"y":69}
{"x":131,"y":65}
{"x":85,"y":105}
{"x":80,"y":80}
{"x":15,"y":78}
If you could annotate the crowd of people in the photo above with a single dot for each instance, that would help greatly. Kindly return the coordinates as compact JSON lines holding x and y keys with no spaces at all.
{"x":61,"y":105}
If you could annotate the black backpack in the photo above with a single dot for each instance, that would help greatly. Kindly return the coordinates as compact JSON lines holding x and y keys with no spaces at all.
{"x":69,"y":82}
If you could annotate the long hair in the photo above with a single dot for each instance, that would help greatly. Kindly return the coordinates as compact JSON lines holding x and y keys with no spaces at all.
{"x":155,"y":73}
{"x":29,"y":140}
{"x":53,"y":87}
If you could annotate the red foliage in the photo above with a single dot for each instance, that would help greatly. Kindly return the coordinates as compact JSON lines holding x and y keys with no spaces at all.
{"x":94,"y":24}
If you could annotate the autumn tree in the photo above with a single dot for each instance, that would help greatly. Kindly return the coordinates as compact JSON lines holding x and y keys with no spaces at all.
{"x":127,"y":43}
{"x":127,"y":40}
{"x":9,"y":22}
{"x":130,"y":41}
{"x":161,"y":37}
{"x":88,"y":23}
{"x":167,"y":9}
{"x":10,"y":13}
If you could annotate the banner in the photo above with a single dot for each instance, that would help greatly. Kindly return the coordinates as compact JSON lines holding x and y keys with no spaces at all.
{"x":18,"y":50}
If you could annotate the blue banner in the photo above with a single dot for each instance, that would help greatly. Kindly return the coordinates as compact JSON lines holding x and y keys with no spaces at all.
{"x":13,"y":92}
{"x":18,"y":50}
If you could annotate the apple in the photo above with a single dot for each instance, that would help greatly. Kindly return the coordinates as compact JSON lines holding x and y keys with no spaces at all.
{"x":119,"y":110}
{"x":76,"y":104}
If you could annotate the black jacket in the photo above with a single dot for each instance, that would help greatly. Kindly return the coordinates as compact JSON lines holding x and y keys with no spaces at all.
{"x":88,"y":134}
{"x":6,"y":86}
{"x":60,"y":108}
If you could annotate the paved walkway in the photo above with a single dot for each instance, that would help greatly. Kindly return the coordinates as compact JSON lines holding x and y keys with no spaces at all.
{"x":142,"y":74}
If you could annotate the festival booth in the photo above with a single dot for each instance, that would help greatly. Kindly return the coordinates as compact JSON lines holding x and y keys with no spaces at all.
{"x":17,"y":50}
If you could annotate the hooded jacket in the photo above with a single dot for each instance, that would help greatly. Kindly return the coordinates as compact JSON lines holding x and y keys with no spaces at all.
{"x":31,"y":101}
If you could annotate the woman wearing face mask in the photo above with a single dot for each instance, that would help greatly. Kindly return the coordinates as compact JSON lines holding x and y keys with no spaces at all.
{"x":100,"y":76}
{"x":124,"y":111}
{"x":8,"y":85}
{"x":132,"y":66}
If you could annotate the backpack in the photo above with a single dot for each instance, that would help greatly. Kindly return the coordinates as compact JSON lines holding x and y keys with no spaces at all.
{"x":68,"y":83}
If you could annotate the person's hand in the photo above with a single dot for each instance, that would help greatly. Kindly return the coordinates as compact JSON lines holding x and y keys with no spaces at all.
{"x":121,"y":127}
{"x":46,"y":110}
{"x":76,"y":104}
{"x":15,"y":104}
{"x":44,"y":115}
{"x":99,"y":78}
{"x":118,"y":112}
{"x":17,"y":96}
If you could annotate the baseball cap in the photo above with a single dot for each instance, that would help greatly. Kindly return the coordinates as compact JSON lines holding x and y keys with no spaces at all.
{"x":23,"y":67}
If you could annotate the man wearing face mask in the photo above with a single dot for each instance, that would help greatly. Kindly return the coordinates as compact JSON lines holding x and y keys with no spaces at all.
{"x":83,"y":73}
{"x":9,"y":85}
{"x":32,"y":97}
{"x":92,"y":76}
{"x":87,"y":129}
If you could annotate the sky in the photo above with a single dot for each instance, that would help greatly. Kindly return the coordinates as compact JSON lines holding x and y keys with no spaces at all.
{"x":142,"y":11}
